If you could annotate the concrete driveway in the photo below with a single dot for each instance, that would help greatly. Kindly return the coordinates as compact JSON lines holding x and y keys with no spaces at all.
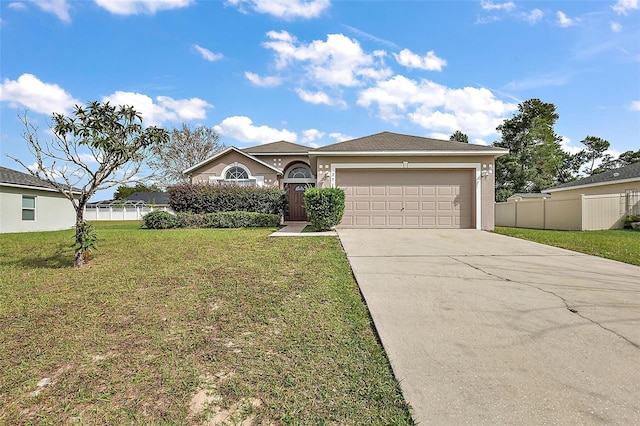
{"x":485,"y":329}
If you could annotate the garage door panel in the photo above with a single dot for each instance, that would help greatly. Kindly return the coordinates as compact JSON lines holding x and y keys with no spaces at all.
{"x":379,"y":206}
{"x":411,"y":191}
{"x":395,"y":191}
{"x":379,"y":220}
{"x":408,"y":198}
{"x":395,"y":221}
{"x":411,"y":206}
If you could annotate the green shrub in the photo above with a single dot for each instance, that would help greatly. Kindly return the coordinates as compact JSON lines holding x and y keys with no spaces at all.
{"x":241,"y":220}
{"x":205,"y":198}
{"x":325,"y":207}
{"x":190,"y":220}
{"x":158,"y":220}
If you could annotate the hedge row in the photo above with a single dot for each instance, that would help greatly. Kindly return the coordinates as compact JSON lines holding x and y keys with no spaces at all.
{"x":205,"y":198}
{"x":165,"y":220}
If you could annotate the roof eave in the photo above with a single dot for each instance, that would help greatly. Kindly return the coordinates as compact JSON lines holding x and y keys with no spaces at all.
{"x":224,"y":152}
{"x":495,"y":153}
{"x":588,"y":185}
{"x":39,"y":188}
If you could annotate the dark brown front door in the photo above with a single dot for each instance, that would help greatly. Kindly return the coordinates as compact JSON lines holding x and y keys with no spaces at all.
{"x":295,"y":193}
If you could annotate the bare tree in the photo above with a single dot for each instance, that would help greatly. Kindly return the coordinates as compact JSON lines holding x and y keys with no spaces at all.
{"x":100,"y":147}
{"x":185,"y":148}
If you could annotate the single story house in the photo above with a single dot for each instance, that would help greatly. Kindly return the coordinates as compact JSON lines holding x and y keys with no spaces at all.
{"x":29,"y":204}
{"x":390,"y":180}
{"x":618,"y":181}
{"x":600,"y":201}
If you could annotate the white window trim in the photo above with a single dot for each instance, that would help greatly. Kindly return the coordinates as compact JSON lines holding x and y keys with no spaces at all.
{"x":257,"y":180}
{"x":286,"y":179}
{"x":34,"y":209}
{"x":409,"y":165}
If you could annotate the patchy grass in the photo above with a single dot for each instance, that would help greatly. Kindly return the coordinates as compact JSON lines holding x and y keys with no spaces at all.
{"x":622,"y":245}
{"x":174,"y":326}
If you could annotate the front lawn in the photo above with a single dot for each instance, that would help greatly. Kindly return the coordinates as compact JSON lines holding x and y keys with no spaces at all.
{"x":172,"y":326}
{"x":622,"y":245}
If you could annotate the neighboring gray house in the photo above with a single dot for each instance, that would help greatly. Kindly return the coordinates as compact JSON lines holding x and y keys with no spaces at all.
{"x":29,"y":204}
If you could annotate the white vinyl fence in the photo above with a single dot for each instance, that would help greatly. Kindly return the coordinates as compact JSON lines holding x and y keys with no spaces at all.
{"x":120,"y":213}
{"x":586,"y":213}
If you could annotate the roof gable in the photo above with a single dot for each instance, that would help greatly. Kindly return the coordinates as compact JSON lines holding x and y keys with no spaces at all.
{"x":226,"y":151}
{"x":386,"y":142}
{"x":623,"y":174}
{"x":279,"y":147}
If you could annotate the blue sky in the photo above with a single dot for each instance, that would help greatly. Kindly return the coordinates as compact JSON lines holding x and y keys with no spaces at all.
{"x":317,"y":72}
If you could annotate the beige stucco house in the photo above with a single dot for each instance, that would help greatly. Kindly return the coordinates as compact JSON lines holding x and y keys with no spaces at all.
{"x":390,"y":180}
{"x":617,"y":181}
{"x":29,"y":204}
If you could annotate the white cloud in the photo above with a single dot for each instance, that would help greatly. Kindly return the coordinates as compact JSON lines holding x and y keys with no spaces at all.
{"x":242,"y":129}
{"x":163,"y":110}
{"x":268,"y":81}
{"x":340,"y":137}
{"x":622,"y":7}
{"x":615,"y":27}
{"x":635,"y":106}
{"x":207,"y":54}
{"x":489,"y":5}
{"x":135,"y":7}
{"x":31,"y":93}
{"x":534,"y":16}
{"x":314,"y":97}
{"x":338,"y":61}
{"x":429,"y":62}
{"x":17,"y":5}
{"x":285,"y":9}
{"x":564,"y":21}
{"x":311,"y":135}
{"x":475,"y":111}
{"x":60,"y":8}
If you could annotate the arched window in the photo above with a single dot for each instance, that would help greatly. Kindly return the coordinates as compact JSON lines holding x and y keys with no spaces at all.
{"x":236,"y":173}
{"x":299,"y":173}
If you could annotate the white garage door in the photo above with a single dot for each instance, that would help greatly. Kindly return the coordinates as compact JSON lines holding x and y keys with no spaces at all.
{"x":407,"y":198}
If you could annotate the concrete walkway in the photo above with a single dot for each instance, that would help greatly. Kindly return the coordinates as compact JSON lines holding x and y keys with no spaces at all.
{"x":294,"y":229}
{"x":485,"y":329}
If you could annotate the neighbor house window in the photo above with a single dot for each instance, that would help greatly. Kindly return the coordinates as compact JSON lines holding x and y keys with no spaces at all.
{"x":28,"y":207}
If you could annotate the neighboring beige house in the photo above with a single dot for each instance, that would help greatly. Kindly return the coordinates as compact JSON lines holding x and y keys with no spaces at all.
{"x":390,"y":180}
{"x":617,"y":181}
{"x":600,"y":201}
{"x":29,"y":204}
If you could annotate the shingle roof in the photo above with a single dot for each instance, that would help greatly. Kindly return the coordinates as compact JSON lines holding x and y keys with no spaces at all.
{"x":387,"y":141}
{"x":280,"y":147}
{"x":14,"y":177}
{"x":159,"y":198}
{"x":631,"y":171}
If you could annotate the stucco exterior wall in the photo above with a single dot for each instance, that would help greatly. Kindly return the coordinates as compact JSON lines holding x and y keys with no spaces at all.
{"x":482,"y":163}
{"x":216,"y":168}
{"x":53,"y":211}
{"x":612,"y":188}
{"x":282,"y":162}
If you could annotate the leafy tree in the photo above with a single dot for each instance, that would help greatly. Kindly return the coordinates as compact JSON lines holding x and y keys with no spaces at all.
{"x":458,"y":136}
{"x":535,"y":155}
{"x":101,"y":146}
{"x":625,"y":159}
{"x":185,"y":148}
{"x":123,"y":191}
{"x":595,"y":148}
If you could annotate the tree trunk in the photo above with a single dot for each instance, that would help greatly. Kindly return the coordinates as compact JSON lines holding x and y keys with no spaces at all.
{"x":78,"y":257}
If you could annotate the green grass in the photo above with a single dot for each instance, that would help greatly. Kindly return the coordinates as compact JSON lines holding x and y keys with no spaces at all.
{"x":157,"y":316}
{"x":622,"y":245}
